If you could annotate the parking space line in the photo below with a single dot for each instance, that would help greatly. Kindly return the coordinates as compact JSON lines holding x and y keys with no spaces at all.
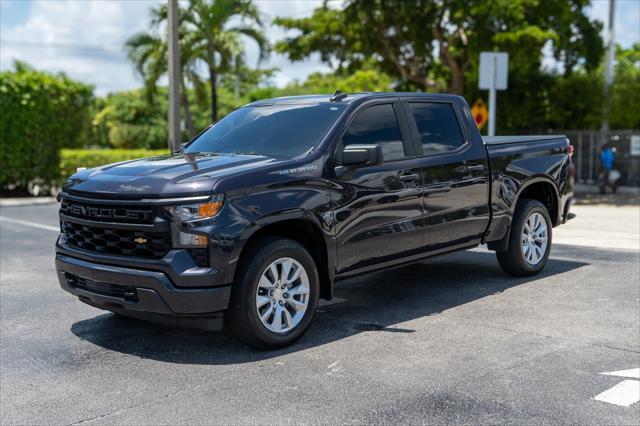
{"x":30,"y":224}
{"x":625,"y":394}
{"x":633,"y":373}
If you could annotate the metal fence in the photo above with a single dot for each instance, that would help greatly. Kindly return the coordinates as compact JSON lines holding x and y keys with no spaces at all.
{"x":586,"y":156}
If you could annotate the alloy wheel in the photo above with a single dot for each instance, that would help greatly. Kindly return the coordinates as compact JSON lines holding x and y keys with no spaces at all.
{"x":534,"y":239}
{"x":282,"y":296}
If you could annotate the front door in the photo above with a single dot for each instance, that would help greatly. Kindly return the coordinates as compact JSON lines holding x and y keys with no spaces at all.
{"x":379,"y":208}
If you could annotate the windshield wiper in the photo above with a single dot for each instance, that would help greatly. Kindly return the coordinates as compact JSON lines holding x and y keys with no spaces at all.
{"x":248,"y":153}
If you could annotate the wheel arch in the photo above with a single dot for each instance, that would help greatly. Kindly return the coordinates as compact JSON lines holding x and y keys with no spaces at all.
{"x":305,"y":231}
{"x":544,"y":190}
{"x":541,"y":188}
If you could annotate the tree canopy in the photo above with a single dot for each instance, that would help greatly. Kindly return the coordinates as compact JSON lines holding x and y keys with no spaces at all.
{"x":434,"y":45}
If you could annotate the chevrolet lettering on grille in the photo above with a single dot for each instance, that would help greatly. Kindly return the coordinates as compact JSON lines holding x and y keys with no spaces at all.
{"x":93,"y":212}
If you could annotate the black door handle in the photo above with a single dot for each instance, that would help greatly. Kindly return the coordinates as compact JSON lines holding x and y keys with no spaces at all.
{"x":475,"y":168}
{"x":409,"y":177}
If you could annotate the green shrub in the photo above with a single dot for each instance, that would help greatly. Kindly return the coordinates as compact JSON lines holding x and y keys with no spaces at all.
{"x":130,"y":120}
{"x":40,"y":113}
{"x":71,"y":159}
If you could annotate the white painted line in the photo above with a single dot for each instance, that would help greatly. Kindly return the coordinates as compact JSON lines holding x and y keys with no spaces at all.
{"x":333,"y":301}
{"x":26,"y":201}
{"x":624,"y":394}
{"x":333,"y":364}
{"x":334,"y":367}
{"x":633,"y":373}
{"x":31,"y":224}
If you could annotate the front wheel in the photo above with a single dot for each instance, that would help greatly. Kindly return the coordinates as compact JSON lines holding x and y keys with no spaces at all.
{"x":529,"y":241}
{"x":275,"y":295}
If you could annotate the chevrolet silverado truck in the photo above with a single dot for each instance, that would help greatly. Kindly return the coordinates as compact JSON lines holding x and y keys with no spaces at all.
{"x":252,"y":222}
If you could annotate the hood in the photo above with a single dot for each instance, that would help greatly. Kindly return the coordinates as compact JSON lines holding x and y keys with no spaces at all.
{"x":179,"y":175}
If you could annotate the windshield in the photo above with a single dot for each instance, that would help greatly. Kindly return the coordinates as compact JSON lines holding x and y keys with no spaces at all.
{"x":280,"y":131}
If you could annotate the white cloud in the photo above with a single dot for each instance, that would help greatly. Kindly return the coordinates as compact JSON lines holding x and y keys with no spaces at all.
{"x":85,"y":39}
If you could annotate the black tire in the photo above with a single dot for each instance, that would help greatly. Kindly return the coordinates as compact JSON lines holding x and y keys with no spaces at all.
{"x":513,"y":260}
{"x":241,"y":319}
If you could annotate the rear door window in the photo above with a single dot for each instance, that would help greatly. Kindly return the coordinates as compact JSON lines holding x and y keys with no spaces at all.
{"x":377,"y":124}
{"x":437,"y":125}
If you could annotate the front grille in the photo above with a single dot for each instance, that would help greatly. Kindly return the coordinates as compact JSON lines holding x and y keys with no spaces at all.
{"x":122,"y":242}
{"x":125,"y":292}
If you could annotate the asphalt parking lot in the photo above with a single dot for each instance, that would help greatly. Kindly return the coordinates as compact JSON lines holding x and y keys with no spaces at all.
{"x":448,"y":340}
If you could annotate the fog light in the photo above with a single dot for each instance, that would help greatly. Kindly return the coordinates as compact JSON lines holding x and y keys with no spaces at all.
{"x":191,"y":240}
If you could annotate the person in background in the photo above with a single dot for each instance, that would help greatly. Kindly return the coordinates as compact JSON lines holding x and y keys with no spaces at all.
{"x":607,"y":157}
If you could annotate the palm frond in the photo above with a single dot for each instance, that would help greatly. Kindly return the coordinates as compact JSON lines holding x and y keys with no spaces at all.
{"x":258,"y":36}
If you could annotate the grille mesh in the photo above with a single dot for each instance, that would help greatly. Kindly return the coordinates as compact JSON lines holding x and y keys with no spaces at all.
{"x":117,"y":241}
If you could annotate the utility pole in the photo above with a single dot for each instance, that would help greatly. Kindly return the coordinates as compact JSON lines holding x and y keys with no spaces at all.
{"x":610,"y":57}
{"x":175,"y":138}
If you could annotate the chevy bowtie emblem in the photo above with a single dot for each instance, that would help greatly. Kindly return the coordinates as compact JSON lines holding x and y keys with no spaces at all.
{"x":140,"y":240}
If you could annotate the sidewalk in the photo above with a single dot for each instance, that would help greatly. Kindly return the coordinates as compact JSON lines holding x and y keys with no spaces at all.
{"x":607,"y":226}
{"x":581,"y":188}
{"x":608,"y":199}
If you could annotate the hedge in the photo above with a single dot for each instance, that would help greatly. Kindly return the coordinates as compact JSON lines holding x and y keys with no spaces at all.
{"x":41,"y":113}
{"x":71,"y":159}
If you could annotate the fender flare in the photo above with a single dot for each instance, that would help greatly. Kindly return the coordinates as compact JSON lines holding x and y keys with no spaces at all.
{"x":278,"y":217}
{"x":532,"y":181}
{"x":503,"y":243}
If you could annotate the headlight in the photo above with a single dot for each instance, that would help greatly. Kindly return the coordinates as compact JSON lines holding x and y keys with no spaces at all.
{"x":189,"y":213}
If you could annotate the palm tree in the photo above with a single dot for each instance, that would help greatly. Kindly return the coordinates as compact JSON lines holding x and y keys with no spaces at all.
{"x":206,"y":37}
{"x":148,"y":52}
{"x":216,"y":39}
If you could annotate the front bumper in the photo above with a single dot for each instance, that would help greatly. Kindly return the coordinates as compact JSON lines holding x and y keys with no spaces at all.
{"x":144,"y":293}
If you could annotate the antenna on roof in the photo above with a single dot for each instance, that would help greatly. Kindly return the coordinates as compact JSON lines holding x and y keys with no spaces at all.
{"x":338,"y":95}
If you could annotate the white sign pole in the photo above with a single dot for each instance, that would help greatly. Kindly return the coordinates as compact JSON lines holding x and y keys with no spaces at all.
{"x":492,"y":99}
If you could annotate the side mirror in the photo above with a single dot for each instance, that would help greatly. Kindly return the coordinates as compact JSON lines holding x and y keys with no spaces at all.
{"x":365,"y":155}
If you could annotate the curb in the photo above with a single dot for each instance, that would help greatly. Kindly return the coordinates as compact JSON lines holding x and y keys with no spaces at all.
{"x":26,"y":201}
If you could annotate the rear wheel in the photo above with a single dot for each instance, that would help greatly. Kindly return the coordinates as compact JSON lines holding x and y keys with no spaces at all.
{"x":275,"y":296}
{"x":529,"y":241}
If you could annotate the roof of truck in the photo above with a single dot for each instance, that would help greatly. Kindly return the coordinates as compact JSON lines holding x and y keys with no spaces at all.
{"x":349,"y":97}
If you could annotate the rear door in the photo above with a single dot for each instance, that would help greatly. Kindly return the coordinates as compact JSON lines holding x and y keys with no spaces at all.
{"x":379,"y":208}
{"x":454,"y":174}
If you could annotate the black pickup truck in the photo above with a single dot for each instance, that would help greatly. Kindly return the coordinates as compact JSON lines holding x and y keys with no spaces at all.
{"x":256,"y":218}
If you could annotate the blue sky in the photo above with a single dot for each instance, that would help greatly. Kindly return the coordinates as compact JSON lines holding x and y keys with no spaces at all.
{"x":84,"y":38}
